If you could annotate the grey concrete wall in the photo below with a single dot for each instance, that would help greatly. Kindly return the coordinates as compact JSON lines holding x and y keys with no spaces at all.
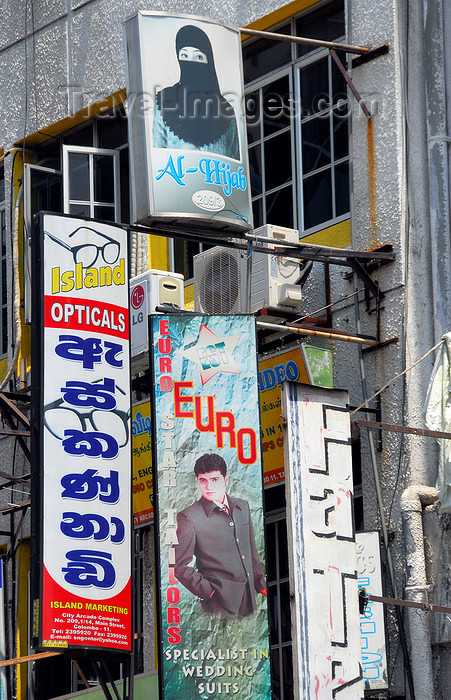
{"x":76,"y":54}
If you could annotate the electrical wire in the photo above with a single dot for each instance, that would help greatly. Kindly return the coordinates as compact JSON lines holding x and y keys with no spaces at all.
{"x":397,"y":377}
{"x":328,"y":306}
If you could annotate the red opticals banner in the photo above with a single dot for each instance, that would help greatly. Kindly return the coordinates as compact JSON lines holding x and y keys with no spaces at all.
{"x":81,"y":447}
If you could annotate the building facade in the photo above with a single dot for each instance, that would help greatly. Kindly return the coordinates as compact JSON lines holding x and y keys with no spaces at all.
{"x":368,"y":175}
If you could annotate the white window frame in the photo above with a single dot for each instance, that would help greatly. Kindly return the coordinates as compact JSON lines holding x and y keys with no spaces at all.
{"x":91,"y":151}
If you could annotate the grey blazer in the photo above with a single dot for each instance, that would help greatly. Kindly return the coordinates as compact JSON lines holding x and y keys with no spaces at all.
{"x":227,"y":560}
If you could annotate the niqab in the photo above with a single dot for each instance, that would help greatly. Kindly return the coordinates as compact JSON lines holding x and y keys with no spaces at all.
{"x":194,"y":108}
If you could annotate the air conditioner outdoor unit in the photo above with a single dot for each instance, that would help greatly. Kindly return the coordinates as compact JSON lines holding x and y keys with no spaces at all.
{"x":148,"y":292}
{"x":220,"y":276}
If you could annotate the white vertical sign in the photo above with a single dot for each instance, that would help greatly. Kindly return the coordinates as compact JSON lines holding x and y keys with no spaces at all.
{"x":321,"y":536}
{"x":372,"y":623}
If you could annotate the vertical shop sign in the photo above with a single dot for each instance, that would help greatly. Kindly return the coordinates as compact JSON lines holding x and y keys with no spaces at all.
{"x":142,"y":464}
{"x":372,"y":622}
{"x":81,"y":435}
{"x":213,"y":611}
{"x":321,"y":537}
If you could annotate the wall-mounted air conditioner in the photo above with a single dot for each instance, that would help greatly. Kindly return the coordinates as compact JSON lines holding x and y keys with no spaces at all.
{"x":220,"y":277}
{"x":150,"y":293}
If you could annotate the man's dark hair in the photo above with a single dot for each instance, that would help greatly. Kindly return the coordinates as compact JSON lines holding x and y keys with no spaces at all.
{"x":210,"y":463}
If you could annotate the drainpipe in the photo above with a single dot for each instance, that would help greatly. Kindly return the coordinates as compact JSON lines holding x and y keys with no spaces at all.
{"x":413,"y":500}
{"x":438,"y":154}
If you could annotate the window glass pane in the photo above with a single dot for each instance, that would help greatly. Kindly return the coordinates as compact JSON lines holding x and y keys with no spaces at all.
{"x":274,"y":498}
{"x":103,"y":178}
{"x":46,"y":192}
{"x":105,"y":213}
{"x":49,"y":154}
{"x":275,"y":673}
{"x":278,"y":160}
{"x":279,"y":208}
{"x":317,"y":199}
{"x":285,"y":612}
{"x":328,"y":23}
{"x":315,"y":143}
{"x":255,"y":167}
{"x":79,"y":176}
{"x":257,"y":209}
{"x":287,"y":662}
{"x":339,"y":87}
{"x":264,"y":55}
{"x":80,"y":137}
{"x":184,"y":251}
{"x":253,"y":116}
{"x":80,"y":210}
{"x":112,"y":131}
{"x":276,"y":102}
{"x":342,"y":188}
{"x":315,"y":87}
{"x":2,"y":185}
{"x":283,"y":548}
{"x":273,"y":614}
{"x":341,"y":137}
{"x":271,"y":569}
{"x":124,"y":185}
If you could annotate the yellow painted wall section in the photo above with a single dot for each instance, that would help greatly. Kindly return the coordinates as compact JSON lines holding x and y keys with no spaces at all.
{"x":336,"y":236}
{"x":23,"y":569}
{"x":25,"y":349}
{"x":158,"y":253}
{"x":189,"y":297}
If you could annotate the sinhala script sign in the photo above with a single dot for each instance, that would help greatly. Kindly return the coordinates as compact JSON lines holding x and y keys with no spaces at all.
{"x":84,"y":424}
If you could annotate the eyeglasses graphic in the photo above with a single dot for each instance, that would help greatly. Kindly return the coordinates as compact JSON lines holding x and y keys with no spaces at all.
{"x":59,"y":417}
{"x":88,"y":253}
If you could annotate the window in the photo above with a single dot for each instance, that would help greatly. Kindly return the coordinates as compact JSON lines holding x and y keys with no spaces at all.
{"x":278,"y":593}
{"x":297,"y":110}
{"x":91,"y":182}
{"x":83,"y":172}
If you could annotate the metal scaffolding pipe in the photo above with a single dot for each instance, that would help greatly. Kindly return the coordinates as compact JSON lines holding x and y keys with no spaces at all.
{"x":360,"y":50}
{"x":319,"y":334}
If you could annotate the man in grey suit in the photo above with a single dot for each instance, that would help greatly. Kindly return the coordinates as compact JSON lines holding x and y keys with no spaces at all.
{"x":217,"y":530}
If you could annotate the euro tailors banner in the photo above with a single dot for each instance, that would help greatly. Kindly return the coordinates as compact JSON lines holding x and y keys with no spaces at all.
{"x":213,"y":606}
{"x":81,"y":435}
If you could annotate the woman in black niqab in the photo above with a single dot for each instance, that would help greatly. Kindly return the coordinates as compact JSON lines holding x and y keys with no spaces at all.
{"x":192,"y":113}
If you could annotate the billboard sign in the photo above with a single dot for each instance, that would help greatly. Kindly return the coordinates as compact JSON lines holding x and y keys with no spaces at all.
{"x":142,"y":464}
{"x":187,"y":122}
{"x":81,"y":435}
{"x":372,"y":622}
{"x":325,"y":615}
{"x":213,"y":605}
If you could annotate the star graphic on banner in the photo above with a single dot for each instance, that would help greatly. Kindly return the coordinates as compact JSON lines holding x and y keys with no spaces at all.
{"x":213,"y":354}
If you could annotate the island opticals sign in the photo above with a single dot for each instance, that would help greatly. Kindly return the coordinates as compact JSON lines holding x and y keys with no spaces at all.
{"x":187,"y":123}
{"x":81,"y":436}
